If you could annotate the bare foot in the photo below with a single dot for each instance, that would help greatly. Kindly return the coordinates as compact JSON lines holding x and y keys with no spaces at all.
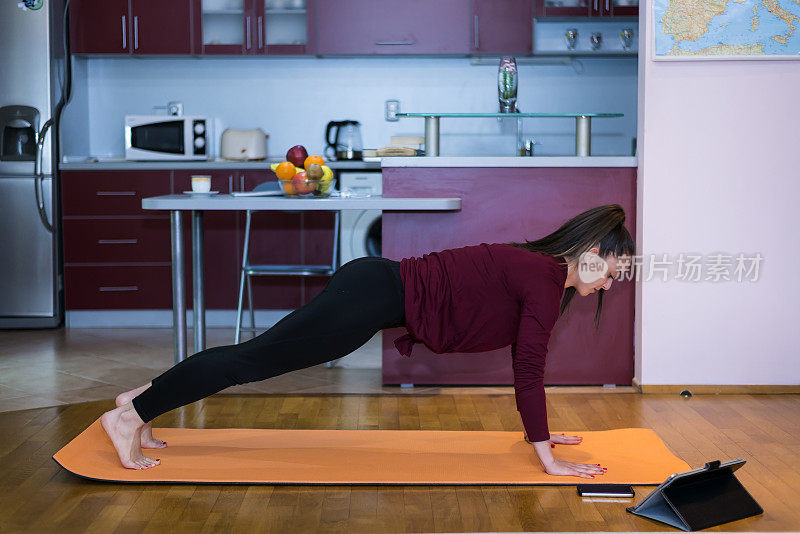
{"x":122,"y":425}
{"x":146,"y":434}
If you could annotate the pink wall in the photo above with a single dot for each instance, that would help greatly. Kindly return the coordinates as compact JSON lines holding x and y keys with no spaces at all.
{"x":719,"y":172}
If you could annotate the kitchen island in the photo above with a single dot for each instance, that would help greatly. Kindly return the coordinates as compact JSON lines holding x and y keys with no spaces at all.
{"x":512,"y":199}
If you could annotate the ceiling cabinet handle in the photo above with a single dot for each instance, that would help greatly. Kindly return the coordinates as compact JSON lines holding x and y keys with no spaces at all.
{"x":260,"y":33}
{"x":136,"y":33}
{"x":117,"y":241}
{"x":106,"y":289}
{"x":248,"y":33}
{"x":477,"y":41}
{"x":392,"y":43}
{"x":124,"y":36}
{"x":116,"y":193}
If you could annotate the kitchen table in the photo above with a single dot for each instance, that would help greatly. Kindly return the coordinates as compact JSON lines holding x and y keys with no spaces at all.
{"x":198,"y":204}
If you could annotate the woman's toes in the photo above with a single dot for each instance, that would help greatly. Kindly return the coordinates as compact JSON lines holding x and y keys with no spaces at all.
{"x":147,"y":463}
{"x":148,"y":441}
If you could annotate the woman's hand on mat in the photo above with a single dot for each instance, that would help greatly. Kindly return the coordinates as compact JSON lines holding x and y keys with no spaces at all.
{"x":554,"y":466}
{"x":561,"y":439}
{"x":562,"y":467}
{"x":565,"y":440}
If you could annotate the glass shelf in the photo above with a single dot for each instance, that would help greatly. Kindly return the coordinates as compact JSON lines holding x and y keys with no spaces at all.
{"x":282,"y":11}
{"x":509,"y":115}
{"x":237,"y":12}
{"x":583,"y":127}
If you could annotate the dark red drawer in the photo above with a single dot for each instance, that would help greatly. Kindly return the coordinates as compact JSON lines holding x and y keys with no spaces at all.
{"x":111,"y":192}
{"x":118,"y":287}
{"x":116,"y":240}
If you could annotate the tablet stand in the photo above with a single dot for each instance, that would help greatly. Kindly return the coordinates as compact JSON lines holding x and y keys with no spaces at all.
{"x":700,"y":499}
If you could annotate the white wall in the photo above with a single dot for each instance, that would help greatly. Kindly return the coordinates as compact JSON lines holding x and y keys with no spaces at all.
{"x":293,"y":99}
{"x":719,"y":172}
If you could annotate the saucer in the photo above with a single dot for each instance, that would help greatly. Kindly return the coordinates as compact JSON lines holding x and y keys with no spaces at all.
{"x":200,"y":193}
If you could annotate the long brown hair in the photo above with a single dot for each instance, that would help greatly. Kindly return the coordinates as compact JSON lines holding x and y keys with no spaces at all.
{"x":603,"y":225}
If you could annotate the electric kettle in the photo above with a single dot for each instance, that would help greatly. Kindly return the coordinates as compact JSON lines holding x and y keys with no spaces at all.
{"x":346,"y":142}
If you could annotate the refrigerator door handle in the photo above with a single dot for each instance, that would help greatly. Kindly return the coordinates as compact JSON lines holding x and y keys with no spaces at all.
{"x":39,"y":176}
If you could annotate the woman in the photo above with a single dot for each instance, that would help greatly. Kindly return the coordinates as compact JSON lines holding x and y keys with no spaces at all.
{"x":469,"y":299}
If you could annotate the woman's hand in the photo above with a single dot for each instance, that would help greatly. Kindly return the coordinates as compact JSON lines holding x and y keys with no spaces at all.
{"x":560,"y":439}
{"x":565,"y":440}
{"x":554,"y":466}
{"x":562,"y":467}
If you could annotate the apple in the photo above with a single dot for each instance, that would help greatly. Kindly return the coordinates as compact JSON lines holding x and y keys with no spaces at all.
{"x":297,"y":155}
{"x":301,"y":186}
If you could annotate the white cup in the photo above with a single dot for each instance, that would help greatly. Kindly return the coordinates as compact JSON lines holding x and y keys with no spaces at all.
{"x":201,"y":183}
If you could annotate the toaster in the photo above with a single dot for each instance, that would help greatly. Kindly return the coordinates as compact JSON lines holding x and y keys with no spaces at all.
{"x":243,"y":144}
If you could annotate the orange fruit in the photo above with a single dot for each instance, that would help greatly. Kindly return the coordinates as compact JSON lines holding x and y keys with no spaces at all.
{"x":313,"y":159}
{"x":285,"y":170}
{"x":288,"y":186}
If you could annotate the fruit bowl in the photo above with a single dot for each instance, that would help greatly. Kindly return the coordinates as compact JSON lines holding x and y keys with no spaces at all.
{"x":306,"y":187}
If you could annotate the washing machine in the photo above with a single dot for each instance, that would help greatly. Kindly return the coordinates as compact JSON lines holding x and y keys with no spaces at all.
{"x":360,"y":236}
{"x":360,"y":230}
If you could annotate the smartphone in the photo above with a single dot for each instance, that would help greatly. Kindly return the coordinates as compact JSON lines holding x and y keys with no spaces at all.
{"x":605,"y":490}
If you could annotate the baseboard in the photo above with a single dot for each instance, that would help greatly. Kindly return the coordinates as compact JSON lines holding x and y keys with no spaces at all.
{"x":163,"y":318}
{"x":717,"y":389}
{"x":635,"y":383}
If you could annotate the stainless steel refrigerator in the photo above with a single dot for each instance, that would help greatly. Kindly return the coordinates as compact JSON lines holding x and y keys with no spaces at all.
{"x":33,"y":80}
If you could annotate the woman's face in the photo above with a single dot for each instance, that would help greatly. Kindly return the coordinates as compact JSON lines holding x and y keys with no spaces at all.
{"x":594,"y":273}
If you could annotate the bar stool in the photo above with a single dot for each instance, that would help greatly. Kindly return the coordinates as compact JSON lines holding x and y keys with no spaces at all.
{"x":249,"y":270}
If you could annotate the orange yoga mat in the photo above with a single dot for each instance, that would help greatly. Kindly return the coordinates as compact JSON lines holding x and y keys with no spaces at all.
{"x":265,"y":456}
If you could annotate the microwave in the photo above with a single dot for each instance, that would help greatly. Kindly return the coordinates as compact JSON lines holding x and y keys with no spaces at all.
{"x":166,"y":137}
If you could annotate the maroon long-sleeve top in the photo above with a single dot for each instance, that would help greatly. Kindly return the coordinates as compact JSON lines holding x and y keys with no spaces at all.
{"x":484,"y":297}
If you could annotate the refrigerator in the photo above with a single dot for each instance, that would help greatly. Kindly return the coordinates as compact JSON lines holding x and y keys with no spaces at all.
{"x":33,"y":83}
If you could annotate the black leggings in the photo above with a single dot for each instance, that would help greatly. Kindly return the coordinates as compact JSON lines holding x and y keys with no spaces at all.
{"x":362,"y":297}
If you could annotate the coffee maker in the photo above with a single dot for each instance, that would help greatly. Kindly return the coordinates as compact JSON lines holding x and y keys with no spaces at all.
{"x":346,"y":142}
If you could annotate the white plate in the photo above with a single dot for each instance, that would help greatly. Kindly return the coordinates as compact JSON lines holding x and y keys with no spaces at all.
{"x":200,"y":193}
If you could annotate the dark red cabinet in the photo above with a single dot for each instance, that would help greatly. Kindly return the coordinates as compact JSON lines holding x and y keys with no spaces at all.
{"x":562,"y":8}
{"x":586,"y":8}
{"x":288,"y":31}
{"x":117,"y":255}
{"x":502,"y":27}
{"x":130,"y":27}
{"x":99,"y":27}
{"x":393,"y":27}
{"x":111,"y":193}
{"x":250,"y":28}
{"x":161,"y":27}
{"x":614,"y":8}
{"x":226,"y":31}
{"x":578,"y":354}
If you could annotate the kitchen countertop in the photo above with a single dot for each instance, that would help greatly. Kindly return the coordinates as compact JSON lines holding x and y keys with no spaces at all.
{"x":523,"y":161}
{"x":121,"y":164}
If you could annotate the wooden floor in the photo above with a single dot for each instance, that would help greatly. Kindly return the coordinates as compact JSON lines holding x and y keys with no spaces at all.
{"x":36,"y":495}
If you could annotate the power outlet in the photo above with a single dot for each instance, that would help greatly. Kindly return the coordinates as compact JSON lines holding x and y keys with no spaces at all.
{"x":392,"y":108}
